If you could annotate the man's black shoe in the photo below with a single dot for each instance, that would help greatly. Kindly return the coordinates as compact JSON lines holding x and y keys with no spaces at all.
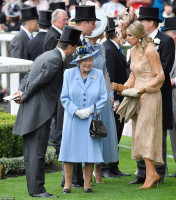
{"x":138,"y":180}
{"x":109,"y":175}
{"x":161,"y":181}
{"x":77,"y":185}
{"x":45,"y":194}
{"x":122,"y":174}
{"x":172,"y":175}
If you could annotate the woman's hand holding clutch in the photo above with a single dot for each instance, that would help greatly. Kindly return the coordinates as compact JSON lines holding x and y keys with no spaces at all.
{"x":118,"y":87}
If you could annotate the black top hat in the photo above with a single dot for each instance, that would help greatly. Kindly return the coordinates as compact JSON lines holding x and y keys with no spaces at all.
{"x":58,"y":5}
{"x":29,"y":13}
{"x":111,"y":24}
{"x":85,"y":13}
{"x":70,"y":35}
{"x":45,"y":17}
{"x":72,"y":2}
{"x":170,"y":24}
{"x":148,"y":13}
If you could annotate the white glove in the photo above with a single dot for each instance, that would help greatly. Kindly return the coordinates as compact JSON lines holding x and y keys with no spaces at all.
{"x":83,"y":113}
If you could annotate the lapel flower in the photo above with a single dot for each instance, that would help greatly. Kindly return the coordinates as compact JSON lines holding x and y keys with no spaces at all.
{"x":156,"y":41}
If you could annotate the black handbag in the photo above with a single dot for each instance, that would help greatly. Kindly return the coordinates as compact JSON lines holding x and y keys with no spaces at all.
{"x":97,"y":128}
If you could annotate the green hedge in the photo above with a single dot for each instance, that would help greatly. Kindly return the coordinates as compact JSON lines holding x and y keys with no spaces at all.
{"x":10,"y":145}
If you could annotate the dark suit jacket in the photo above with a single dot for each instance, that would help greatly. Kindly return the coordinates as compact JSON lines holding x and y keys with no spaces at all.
{"x":116,"y":65}
{"x":166,"y":51}
{"x":49,"y":41}
{"x":35,"y":46}
{"x":18,"y":45}
{"x":41,"y":88}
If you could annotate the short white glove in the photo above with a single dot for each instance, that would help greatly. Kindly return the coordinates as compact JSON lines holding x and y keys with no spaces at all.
{"x":83,"y":113}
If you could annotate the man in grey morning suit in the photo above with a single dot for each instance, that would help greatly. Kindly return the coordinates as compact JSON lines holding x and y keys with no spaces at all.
{"x":18,"y":45}
{"x":38,"y":92}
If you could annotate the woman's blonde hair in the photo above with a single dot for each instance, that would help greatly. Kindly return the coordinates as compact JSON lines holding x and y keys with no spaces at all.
{"x":137,"y":30}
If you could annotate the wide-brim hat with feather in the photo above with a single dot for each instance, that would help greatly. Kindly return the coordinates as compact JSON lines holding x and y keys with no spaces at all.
{"x":148,"y":13}
{"x":100,"y":25}
{"x":13,"y":9}
{"x":83,"y":52}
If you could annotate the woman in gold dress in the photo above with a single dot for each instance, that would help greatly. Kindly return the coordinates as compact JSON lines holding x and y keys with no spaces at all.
{"x":147,"y":76}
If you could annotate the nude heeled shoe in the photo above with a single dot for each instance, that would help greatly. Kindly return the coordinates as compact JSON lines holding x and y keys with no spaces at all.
{"x":95,"y":178}
{"x":156,"y":180}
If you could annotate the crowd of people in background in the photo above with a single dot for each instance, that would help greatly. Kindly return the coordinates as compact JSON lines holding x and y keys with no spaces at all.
{"x":58,"y":94}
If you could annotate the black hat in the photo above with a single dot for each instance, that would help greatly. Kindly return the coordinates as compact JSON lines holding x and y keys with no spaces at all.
{"x":148,"y":13}
{"x":58,"y":5}
{"x":170,"y":23}
{"x":85,"y":13}
{"x":72,"y":2}
{"x":29,"y":13}
{"x":70,"y":35}
{"x":45,"y":17}
{"x":111,"y":24}
{"x":2,"y":18}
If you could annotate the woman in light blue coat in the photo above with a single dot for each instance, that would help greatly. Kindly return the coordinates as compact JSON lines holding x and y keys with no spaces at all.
{"x":83,"y":87}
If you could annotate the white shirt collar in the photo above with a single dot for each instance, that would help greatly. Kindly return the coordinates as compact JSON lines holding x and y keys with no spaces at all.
{"x":59,"y":30}
{"x":154,"y":33}
{"x":118,"y":47}
{"x":42,"y":30}
{"x":62,"y":53}
{"x":27,"y":32}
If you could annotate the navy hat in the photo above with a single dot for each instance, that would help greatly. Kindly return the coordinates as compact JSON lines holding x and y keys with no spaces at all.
{"x":70,"y":35}
{"x":29,"y":13}
{"x":82,"y":53}
{"x":58,"y":5}
{"x":13,"y":9}
{"x":170,"y":23}
{"x":148,"y":13}
{"x":45,"y":17}
{"x":85,"y":13}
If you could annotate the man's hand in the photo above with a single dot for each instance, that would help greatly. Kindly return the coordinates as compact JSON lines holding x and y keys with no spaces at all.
{"x":19,"y":93}
{"x":172,"y":82}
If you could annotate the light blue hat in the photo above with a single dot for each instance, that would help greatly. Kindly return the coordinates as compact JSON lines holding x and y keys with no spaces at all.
{"x":82,"y":53}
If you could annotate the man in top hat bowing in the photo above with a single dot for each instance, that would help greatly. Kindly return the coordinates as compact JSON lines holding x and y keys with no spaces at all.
{"x":84,"y":18}
{"x":35,"y":46}
{"x":18,"y":45}
{"x":59,"y":20}
{"x":38,"y":92}
{"x":166,"y":49}
{"x":170,"y":29}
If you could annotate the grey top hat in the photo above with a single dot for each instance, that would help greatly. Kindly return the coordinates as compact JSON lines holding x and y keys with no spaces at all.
{"x":13,"y":9}
{"x":170,"y":24}
{"x":148,"y":13}
{"x":70,"y":35}
{"x":85,"y":13}
{"x":29,"y":13}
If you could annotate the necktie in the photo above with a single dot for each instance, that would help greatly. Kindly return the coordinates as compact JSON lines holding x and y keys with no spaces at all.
{"x":120,"y":50}
{"x":31,"y":37}
{"x":84,"y":41}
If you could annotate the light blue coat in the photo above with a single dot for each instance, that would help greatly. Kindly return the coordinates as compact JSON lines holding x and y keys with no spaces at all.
{"x":77,"y":145}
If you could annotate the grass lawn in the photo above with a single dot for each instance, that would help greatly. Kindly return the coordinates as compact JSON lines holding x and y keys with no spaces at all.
{"x":116,"y":188}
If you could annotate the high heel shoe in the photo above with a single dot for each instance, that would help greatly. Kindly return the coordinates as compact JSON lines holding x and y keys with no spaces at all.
{"x":95,"y":178}
{"x":156,"y":180}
